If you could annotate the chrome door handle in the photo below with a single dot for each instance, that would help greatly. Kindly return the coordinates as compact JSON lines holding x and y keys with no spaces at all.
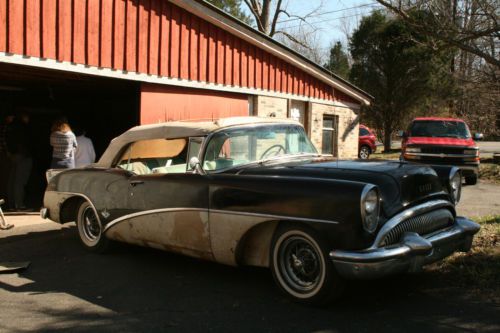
{"x":134,"y":183}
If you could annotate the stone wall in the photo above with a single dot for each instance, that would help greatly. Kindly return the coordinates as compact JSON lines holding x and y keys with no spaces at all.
{"x":270,"y":107}
{"x":348,"y":127}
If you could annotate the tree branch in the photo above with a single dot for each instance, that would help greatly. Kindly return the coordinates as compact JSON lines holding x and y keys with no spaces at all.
{"x":449,"y":34}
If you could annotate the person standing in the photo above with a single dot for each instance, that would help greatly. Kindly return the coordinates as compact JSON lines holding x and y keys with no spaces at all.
{"x":18,"y":139}
{"x":85,"y":153}
{"x":5,"y":158}
{"x":63,"y":143}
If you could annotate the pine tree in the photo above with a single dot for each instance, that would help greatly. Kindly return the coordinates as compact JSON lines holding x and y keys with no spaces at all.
{"x":232,"y":7}
{"x":338,"y":62}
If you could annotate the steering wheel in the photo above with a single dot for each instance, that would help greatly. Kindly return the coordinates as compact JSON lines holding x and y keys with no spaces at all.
{"x":276,"y":147}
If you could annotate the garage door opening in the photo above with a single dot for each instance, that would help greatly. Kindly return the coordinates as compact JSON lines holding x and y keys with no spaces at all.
{"x":103,"y":107}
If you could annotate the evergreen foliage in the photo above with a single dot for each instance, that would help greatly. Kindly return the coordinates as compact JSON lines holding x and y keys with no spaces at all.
{"x":232,"y":7}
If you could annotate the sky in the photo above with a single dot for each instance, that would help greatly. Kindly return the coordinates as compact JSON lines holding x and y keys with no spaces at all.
{"x":333,"y":19}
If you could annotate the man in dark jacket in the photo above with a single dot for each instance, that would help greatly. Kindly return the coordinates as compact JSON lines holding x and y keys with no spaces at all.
{"x":18,"y":136}
{"x":5,"y":158}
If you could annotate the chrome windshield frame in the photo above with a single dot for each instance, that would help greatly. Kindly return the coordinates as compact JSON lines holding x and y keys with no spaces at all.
{"x":209,"y":138}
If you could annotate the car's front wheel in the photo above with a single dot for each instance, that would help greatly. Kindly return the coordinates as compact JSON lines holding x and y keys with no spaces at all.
{"x":90,"y":229}
{"x":301,"y":268}
{"x":364,"y":152}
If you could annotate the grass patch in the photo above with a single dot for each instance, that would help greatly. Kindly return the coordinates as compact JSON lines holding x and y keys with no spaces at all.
{"x":490,"y":172}
{"x":479,"y":269}
{"x":392,"y":155}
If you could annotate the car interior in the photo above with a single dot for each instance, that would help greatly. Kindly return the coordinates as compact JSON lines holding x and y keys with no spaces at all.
{"x":155,"y":156}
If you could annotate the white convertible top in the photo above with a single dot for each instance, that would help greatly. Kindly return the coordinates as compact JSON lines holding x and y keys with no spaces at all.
{"x":177,"y":129}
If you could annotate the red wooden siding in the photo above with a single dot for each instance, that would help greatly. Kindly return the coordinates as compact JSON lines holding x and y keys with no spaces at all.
{"x":148,"y":36}
{"x":161,"y":103}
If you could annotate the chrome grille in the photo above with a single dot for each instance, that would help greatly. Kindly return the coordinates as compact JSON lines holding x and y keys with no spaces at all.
{"x":422,"y":225}
{"x":442,"y":150}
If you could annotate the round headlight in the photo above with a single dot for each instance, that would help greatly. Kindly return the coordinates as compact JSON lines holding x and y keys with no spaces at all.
{"x":370,"y":206}
{"x":456,"y":186}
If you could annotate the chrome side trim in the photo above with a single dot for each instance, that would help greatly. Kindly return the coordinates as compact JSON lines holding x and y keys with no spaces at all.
{"x":271,"y":216}
{"x":227,"y":212}
{"x":406,"y":214}
{"x":149,"y":212}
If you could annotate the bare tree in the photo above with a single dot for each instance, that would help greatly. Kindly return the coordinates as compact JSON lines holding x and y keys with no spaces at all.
{"x":267,"y":14}
{"x":469,"y":25}
{"x":306,"y":41}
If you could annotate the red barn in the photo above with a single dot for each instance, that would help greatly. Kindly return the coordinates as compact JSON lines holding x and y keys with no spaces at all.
{"x":111,"y":64}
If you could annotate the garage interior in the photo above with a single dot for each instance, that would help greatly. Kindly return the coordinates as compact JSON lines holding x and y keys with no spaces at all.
{"x":103,"y":107}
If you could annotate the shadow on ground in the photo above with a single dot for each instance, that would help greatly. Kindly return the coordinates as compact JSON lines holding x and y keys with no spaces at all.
{"x":137,"y":289}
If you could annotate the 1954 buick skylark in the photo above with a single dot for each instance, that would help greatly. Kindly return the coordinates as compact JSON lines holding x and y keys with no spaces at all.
{"x":254,"y":191}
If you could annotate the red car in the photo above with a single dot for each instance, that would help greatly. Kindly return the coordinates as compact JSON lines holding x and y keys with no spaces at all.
{"x":442,"y":141}
{"x":366,"y":145}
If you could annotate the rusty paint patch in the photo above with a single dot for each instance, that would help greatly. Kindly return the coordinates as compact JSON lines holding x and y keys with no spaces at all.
{"x":185,"y":232}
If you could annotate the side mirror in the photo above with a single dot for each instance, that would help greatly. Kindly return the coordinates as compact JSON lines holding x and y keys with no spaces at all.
{"x":194,"y":164}
{"x":478,"y":136}
{"x":401,"y":134}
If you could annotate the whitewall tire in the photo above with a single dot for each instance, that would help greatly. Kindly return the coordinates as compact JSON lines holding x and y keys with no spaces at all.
{"x":90,"y":229}
{"x":301,"y":267}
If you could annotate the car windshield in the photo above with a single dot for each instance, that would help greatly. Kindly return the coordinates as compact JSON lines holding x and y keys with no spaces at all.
{"x":440,"y":129}
{"x":243,"y":145}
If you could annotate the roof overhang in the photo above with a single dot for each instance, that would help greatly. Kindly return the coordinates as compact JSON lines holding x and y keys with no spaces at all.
{"x":227,"y":22}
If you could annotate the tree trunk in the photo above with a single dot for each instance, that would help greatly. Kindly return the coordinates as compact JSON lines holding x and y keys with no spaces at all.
{"x":387,"y":139}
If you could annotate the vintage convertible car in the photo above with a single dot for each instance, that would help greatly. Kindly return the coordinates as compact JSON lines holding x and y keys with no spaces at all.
{"x":253,"y":191}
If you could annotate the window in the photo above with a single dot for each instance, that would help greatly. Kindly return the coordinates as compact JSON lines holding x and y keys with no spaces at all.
{"x":330,"y":129}
{"x":363,"y":132}
{"x":155,"y":156}
{"x":298,"y":112}
{"x":233,"y":147}
{"x":440,"y":129}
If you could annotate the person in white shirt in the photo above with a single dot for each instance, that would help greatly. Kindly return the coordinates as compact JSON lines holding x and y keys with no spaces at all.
{"x":85,"y":153}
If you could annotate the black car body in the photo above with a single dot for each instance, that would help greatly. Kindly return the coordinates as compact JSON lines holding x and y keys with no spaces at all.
{"x":251,"y":191}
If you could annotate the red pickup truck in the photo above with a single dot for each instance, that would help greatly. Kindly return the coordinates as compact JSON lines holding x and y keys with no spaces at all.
{"x":442,"y":141}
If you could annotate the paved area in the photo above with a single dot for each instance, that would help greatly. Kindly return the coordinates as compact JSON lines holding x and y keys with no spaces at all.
{"x":489,"y":146}
{"x":133,"y":289}
{"x":480,"y":200}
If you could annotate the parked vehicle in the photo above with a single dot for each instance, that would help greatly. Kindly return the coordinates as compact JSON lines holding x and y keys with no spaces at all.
{"x":443,"y":141}
{"x":367,"y":142}
{"x":253,"y":191}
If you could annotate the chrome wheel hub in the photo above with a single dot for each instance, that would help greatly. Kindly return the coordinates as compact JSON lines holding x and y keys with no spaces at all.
{"x":91,"y":227}
{"x":300,"y":264}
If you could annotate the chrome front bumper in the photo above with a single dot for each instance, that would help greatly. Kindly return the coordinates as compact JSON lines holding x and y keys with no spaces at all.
{"x":410,"y":255}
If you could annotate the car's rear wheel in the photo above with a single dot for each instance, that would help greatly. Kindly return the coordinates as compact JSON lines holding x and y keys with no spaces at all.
{"x":471,"y":180}
{"x":90,"y":229}
{"x":364,"y":152}
{"x":301,"y":268}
